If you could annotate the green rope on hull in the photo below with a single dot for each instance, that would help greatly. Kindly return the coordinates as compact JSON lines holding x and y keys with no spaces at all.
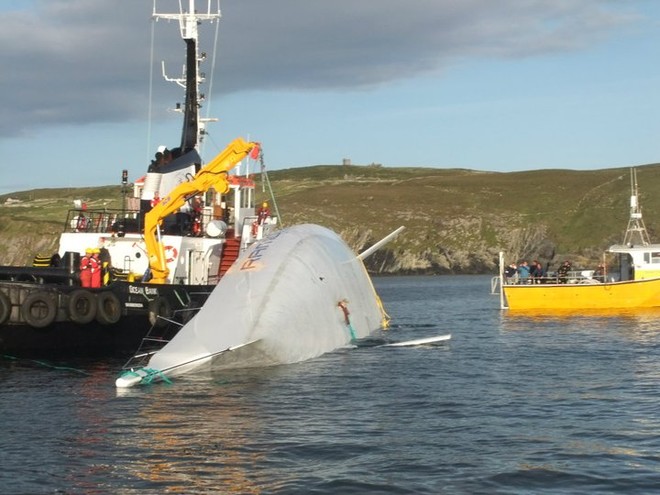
{"x":148,"y":378}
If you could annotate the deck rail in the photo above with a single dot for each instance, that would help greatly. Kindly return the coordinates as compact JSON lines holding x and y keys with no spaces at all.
{"x":571,"y":277}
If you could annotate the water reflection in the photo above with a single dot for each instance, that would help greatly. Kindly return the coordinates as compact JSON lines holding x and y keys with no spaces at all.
{"x":194,"y":437}
{"x":512,"y":404}
{"x":598,"y":367}
{"x":637,"y":325}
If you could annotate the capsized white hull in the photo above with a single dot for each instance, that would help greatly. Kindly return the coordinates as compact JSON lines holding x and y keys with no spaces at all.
{"x":297,"y":294}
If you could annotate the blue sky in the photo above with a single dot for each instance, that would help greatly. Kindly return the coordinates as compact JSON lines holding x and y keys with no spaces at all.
{"x":495,"y":86}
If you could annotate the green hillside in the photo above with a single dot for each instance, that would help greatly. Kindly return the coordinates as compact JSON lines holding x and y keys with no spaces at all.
{"x":456,"y":220}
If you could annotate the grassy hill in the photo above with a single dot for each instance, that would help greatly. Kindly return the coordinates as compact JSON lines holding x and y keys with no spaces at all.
{"x":457,"y":220}
{"x":31,"y":221}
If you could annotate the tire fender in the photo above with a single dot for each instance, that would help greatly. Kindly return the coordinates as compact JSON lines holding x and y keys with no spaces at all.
{"x":39,"y":309}
{"x":5,"y":308}
{"x":108,"y":310}
{"x":159,"y":308}
{"x":81,"y":306}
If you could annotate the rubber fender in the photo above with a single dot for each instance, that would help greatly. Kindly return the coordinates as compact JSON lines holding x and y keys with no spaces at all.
{"x":41,"y":261}
{"x":5,"y":308}
{"x":159,"y":308}
{"x":39,"y":309}
{"x":108,"y":310}
{"x":81,"y":306}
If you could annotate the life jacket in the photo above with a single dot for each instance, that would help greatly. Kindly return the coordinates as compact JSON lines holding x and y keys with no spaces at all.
{"x":84,"y":263}
{"x":85,"y":271}
{"x":95,"y":272}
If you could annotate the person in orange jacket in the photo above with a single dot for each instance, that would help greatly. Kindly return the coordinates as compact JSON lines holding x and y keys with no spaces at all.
{"x":95,"y":269}
{"x":85,"y":269}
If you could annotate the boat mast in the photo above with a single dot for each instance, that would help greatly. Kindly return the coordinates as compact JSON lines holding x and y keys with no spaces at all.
{"x":636,"y":227}
{"x":193,"y":126}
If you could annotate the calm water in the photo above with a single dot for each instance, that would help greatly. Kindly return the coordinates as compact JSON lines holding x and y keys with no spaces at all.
{"x":509,"y":405}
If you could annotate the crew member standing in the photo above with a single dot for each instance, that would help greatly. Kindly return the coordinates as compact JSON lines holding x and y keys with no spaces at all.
{"x":263,"y":213}
{"x":95,"y":269}
{"x":85,"y":269}
{"x":196,"y":216}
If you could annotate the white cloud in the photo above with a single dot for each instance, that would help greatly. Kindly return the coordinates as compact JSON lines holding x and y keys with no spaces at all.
{"x":85,"y":61}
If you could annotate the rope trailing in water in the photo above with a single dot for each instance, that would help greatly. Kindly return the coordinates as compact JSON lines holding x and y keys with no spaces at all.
{"x":45,"y":364}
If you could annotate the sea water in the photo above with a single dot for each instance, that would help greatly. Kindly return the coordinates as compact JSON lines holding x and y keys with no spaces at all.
{"x":508,"y":405}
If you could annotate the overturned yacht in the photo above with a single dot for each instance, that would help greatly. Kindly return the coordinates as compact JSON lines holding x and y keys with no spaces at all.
{"x":295,"y":295}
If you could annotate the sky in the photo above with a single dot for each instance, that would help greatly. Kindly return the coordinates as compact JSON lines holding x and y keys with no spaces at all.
{"x":506,"y":85}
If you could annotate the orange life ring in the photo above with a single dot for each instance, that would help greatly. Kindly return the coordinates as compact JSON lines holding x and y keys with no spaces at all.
{"x":170,"y":254}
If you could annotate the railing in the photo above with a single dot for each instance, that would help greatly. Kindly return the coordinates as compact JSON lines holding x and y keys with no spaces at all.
{"x":106,"y":220}
{"x":571,"y":277}
{"x":251,"y":231}
{"x":494,"y":284}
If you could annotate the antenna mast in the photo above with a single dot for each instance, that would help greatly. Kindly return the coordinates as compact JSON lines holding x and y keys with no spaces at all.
{"x":636,"y":227}
{"x":194,"y":127}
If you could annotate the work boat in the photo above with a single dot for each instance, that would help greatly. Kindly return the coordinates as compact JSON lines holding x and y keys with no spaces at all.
{"x":120,"y":274}
{"x":633,"y":284}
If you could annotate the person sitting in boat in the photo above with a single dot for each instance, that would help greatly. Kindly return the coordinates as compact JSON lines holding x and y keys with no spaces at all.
{"x":562,"y":271}
{"x":523,"y":272}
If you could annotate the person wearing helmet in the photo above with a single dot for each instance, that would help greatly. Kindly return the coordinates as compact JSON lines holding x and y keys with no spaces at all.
{"x":85,"y":268}
{"x":263,"y":213}
{"x":95,"y":269}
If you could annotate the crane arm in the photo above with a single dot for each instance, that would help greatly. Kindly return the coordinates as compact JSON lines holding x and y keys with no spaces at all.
{"x":214,"y":174}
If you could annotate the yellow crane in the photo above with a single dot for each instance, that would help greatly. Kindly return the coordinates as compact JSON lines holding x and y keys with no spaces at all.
{"x":212,"y":175}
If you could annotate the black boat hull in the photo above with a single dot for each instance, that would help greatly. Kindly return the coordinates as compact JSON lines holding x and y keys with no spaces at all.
{"x":52,"y":320}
